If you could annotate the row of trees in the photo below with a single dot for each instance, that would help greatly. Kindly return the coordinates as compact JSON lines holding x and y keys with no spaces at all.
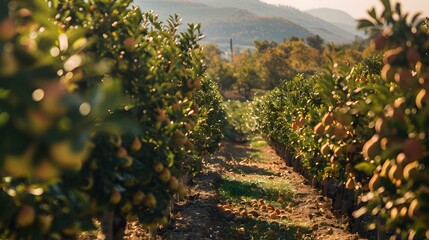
{"x":103,"y":111}
{"x":271,"y":62}
{"x":363,"y":128}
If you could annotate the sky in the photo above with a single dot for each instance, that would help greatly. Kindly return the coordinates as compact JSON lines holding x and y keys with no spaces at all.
{"x":356,"y":8}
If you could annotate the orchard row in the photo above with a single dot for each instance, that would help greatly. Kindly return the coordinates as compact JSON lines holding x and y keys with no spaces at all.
{"x":104,"y":111}
{"x":365,"y":128}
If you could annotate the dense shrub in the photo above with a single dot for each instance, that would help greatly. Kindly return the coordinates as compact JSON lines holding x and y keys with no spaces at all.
{"x":97,"y":110}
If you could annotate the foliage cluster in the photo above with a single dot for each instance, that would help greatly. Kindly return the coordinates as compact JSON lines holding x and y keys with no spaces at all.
{"x":365,"y":127}
{"x":102,"y":109}
{"x":272,"y":62}
{"x":240,"y":120}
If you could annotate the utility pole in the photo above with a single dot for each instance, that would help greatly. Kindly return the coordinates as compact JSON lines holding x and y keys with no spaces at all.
{"x":232,"y":52}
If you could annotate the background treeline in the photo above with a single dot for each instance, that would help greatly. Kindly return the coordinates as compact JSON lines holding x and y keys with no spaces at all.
{"x":269,"y":63}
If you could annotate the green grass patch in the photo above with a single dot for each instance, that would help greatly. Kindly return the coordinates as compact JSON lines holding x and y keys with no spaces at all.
{"x":258,"y":142}
{"x":238,"y":189}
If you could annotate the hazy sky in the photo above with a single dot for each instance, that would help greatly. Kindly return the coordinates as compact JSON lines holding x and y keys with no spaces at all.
{"x":356,"y":8}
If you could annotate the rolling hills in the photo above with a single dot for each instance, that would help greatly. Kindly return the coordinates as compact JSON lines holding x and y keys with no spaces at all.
{"x":338,"y":18}
{"x":247,"y":20}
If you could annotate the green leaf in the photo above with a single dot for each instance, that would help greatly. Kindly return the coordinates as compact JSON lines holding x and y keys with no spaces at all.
{"x":365,"y":167}
{"x":372,"y":13}
{"x":364,"y":23}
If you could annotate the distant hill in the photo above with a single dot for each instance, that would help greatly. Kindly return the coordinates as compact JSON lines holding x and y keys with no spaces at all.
{"x":338,"y":18}
{"x":220,"y":24}
{"x":326,"y":30}
{"x":248,"y":20}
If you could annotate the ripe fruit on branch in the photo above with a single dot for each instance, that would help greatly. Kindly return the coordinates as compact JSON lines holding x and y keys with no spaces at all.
{"x":352,"y":148}
{"x":411,"y":170}
{"x":182,"y":191}
{"x":380,"y":42}
{"x":412,"y":56}
{"x":189,"y":145}
{"x":150,"y":201}
{"x":122,"y":152}
{"x":126,"y":208}
{"x":394,"y":112}
{"x":179,"y":138}
{"x":390,"y":142}
{"x":422,"y":98}
{"x":413,"y":149}
{"x":402,"y":159}
{"x":329,"y":130}
{"x":294,"y":126}
{"x":7,"y":29}
{"x":138,"y":197}
{"x":381,"y":127}
{"x":115,"y":196}
{"x":319,"y":129}
{"x":46,"y":171}
{"x":404,"y":78}
{"x":395,"y":173}
{"x":339,"y":131}
{"x":301,"y":121}
{"x":413,"y":209}
{"x":195,"y":109}
{"x":130,"y":43}
{"x":388,"y":73}
{"x":158,"y":167}
{"x":424,"y":79}
{"x":328,"y":118}
{"x":161,"y":116}
{"x":136,"y":145}
{"x":325,"y":149}
{"x":197,"y":84}
{"x":337,"y":151}
{"x":173,"y":184}
{"x":391,"y":56}
{"x":165,"y":175}
{"x":25,"y":216}
{"x":45,"y":222}
{"x":350,"y":184}
{"x":371,"y":148}
{"x":375,"y":183}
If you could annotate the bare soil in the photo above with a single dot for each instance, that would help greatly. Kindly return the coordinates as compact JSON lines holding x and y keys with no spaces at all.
{"x":302,"y":214}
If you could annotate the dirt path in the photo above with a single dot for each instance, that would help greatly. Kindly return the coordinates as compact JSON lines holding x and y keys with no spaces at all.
{"x":247,"y":192}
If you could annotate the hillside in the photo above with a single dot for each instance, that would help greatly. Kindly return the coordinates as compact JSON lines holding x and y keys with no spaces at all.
{"x":220,"y":24}
{"x":337,"y":17}
{"x":326,"y":30}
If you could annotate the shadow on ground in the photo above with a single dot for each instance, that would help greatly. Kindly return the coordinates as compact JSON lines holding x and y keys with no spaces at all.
{"x":250,"y":228}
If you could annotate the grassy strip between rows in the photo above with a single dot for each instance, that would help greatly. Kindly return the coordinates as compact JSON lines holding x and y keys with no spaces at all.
{"x":251,"y":193}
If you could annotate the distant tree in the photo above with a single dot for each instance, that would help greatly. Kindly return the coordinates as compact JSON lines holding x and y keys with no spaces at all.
{"x":218,"y":68}
{"x":247,"y":74}
{"x":303,"y":58}
{"x":274,"y":66}
{"x":315,"y":41}
{"x":263,"y":45}
{"x":294,"y":39}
